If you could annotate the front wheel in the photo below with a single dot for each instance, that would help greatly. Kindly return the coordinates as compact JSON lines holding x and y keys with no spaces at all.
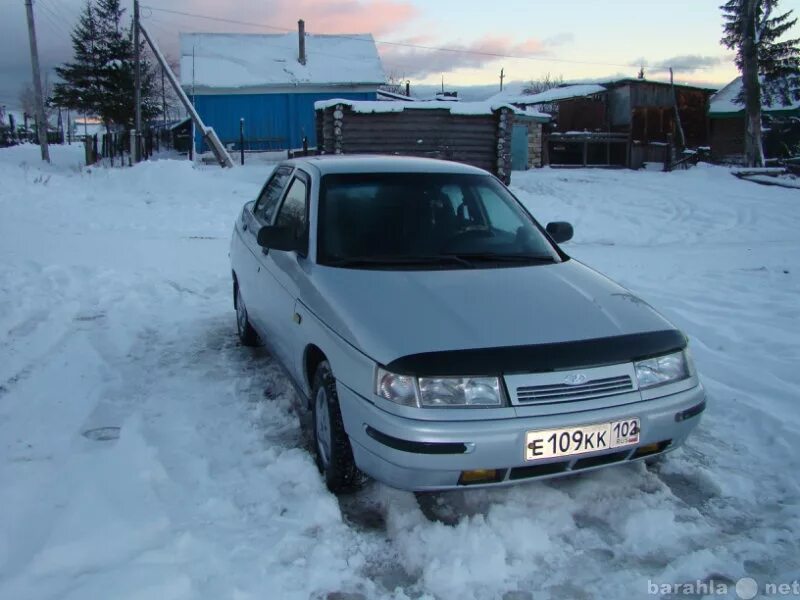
{"x":332,"y":450}
{"x":247,"y":335}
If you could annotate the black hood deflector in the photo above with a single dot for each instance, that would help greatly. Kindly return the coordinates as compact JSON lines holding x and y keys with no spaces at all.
{"x":540,"y":358}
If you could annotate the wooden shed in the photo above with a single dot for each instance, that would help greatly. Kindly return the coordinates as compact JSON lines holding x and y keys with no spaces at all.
{"x":475,"y":133}
{"x":619,"y":123}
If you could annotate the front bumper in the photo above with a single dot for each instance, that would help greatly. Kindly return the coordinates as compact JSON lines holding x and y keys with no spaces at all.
{"x":420,"y":455}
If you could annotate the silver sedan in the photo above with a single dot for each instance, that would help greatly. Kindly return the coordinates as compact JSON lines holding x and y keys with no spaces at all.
{"x":440,"y":336}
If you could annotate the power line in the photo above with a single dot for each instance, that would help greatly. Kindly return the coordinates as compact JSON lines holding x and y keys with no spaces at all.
{"x":162,"y":27}
{"x":498,"y":55}
{"x":53,"y":20}
{"x":57,"y":11}
{"x":220,"y":19}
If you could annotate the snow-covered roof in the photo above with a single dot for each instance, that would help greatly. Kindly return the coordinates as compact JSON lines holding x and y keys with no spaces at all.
{"x":455,"y":108}
{"x":231,"y":61}
{"x":386,"y":95}
{"x":552,"y":95}
{"x":724,"y":101}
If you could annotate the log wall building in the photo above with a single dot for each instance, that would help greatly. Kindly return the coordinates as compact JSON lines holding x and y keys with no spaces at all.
{"x":477,"y":134}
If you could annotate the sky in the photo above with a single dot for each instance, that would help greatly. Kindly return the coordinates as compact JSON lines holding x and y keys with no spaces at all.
{"x":575,"y":39}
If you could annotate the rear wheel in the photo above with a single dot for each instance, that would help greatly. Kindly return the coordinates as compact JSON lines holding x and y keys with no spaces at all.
{"x":247,"y":335}
{"x":332,"y":450}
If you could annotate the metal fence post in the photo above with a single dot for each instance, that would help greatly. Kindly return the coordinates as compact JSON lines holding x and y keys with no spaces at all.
{"x":241,"y":139}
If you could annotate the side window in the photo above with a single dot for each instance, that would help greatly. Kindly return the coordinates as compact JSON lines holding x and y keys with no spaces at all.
{"x":294,"y":212}
{"x":271,"y":194}
{"x":500,"y":214}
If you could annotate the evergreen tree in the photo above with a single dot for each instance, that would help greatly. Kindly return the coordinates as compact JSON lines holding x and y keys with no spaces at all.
{"x":101,"y":79}
{"x":118,"y":104}
{"x":770,"y":67}
{"x":81,"y":87}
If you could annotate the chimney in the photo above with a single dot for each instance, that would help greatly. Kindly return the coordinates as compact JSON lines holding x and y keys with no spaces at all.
{"x":301,"y":35}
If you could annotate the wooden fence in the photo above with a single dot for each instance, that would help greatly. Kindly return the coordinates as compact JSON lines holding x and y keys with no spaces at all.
{"x":114,"y":149}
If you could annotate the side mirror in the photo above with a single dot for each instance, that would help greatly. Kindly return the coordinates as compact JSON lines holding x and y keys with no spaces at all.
{"x":560,"y":231}
{"x":272,"y":237}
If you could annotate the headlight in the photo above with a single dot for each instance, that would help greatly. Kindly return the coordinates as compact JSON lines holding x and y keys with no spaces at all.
{"x":439,"y":392}
{"x":460,"y":391}
{"x":663,"y":369}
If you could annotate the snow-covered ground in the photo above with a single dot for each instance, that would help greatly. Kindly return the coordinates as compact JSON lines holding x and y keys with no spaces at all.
{"x":145,"y":454}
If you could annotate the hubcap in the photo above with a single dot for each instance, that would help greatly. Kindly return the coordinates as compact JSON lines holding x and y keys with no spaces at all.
{"x":241,"y":314}
{"x":323,"y":427}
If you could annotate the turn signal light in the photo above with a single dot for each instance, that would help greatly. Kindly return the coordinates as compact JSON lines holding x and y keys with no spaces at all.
{"x":650,"y":449}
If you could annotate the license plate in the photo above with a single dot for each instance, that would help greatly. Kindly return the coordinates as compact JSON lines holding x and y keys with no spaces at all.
{"x":555,"y":443}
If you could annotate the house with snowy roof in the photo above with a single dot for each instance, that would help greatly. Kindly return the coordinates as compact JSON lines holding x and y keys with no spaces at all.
{"x":727,"y":123}
{"x":272,"y":82}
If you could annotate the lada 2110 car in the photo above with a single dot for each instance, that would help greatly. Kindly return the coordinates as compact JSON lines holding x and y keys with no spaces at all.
{"x":441,"y":337}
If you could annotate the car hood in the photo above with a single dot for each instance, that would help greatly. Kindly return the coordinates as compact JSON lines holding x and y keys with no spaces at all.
{"x":388,"y":314}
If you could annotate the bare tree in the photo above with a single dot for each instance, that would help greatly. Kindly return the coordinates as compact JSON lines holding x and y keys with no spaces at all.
{"x":544,"y":83}
{"x":27,"y":99}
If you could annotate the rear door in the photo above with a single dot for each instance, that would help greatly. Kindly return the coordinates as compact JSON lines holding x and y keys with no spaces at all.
{"x":254,"y":216}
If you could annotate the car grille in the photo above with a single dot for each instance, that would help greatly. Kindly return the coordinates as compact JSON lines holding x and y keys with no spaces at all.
{"x":562,"y":392}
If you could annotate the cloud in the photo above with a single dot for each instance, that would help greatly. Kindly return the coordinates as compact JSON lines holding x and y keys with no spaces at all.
{"x":559,"y":39}
{"x":321,"y":16}
{"x":402,"y":61}
{"x":349,"y":16}
{"x":687,"y":63}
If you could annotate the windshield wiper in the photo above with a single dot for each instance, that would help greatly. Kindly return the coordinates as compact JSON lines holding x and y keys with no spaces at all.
{"x":402,"y":261}
{"x":499,"y":257}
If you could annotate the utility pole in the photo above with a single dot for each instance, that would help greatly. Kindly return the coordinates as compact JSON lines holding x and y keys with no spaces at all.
{"x":138,"y":79}
{"x":502,"y":76}
{"x":37,"y":84}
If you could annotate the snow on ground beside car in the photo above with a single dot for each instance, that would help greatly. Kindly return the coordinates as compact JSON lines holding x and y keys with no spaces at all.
{"x":145,"y":454}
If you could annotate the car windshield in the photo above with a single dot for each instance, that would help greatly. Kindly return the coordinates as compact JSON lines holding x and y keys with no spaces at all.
{"x":427,"y":221}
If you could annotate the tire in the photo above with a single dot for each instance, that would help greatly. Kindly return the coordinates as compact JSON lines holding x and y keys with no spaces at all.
{"x":247,"y":335}
{"x":332,"y":450}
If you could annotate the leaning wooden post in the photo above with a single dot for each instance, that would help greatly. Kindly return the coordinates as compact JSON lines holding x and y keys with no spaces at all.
{"x":668,"y":154}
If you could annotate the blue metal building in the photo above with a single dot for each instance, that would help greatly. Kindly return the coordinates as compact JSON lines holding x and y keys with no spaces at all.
{"x":272,"y":81}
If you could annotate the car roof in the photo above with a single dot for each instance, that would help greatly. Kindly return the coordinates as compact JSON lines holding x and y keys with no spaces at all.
{"x":375,"y":163}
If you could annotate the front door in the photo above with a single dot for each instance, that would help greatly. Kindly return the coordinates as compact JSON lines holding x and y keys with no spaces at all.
{"x":255,"y":216}
{"x":519,"y":147}
{"x":280,"y":275}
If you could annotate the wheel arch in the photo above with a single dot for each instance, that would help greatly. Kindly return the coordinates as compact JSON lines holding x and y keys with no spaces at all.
{"x":313,"y":356}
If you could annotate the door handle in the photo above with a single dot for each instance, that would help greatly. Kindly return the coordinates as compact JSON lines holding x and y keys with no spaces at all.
{"x":244,"y":227}
{"x":264,"y":250}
